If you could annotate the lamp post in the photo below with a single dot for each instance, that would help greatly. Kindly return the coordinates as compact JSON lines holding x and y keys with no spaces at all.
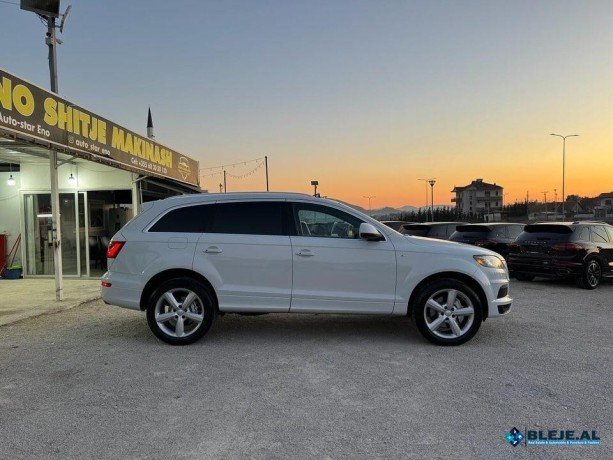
{"x":432,"y":182}
{"x":563,"y":166}
{"x":426,"y":181}
{"x":545,"y":194}
{"x":314,"y":183}
{"x":369,"y":198}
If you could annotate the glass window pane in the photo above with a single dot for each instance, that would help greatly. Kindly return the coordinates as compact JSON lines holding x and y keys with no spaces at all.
{"x":254,"y":218}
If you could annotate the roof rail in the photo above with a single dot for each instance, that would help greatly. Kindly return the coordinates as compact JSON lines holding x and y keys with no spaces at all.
{"x":590,"y":222}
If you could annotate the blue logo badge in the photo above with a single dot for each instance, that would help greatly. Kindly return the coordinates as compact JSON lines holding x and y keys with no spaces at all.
{"x":514,"y":437}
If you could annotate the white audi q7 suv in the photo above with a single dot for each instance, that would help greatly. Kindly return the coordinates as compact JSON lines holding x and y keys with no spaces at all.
{"x":187,"y":259}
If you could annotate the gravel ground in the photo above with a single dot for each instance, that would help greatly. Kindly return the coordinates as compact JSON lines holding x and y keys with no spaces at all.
{"x":93,"y":382}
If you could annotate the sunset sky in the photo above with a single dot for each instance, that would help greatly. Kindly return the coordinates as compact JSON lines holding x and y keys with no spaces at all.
{"x":366,"y":97}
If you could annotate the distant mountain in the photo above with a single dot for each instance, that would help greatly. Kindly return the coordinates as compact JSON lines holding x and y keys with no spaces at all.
{"x":389,"y":211}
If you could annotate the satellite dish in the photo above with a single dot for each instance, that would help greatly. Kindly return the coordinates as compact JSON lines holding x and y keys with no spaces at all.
{"x":64,"y":17}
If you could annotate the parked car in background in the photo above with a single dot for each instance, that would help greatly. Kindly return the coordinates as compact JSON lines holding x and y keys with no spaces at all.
{"x":394,"y":224}
{"x":494,"y":236}
{"x":583,"y":250}
{"x":439,"y":230}
{"x":187,"y":259}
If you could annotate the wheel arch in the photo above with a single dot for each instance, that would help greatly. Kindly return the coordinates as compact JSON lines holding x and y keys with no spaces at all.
{"x":469,"y":281}
{"x":166,"y":275}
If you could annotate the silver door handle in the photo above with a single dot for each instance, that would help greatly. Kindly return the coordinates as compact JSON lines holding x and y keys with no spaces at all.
{"x":305,"y":253}
{"x":212,"y":250}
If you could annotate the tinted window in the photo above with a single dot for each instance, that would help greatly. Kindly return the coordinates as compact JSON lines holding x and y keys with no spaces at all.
{"x":471,"y":232}
{"x":188,"y":219}
{"x":323,"y":221}
{"x":438,"y":231}
{"x":545,"y":232}
{"x":249,"y":218}
{"x":415,"y":229}
{"x":599,"y":234}
{"x":514,"y":231}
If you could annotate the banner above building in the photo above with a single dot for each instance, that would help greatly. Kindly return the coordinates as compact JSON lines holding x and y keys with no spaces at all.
{"x":37,"y":115}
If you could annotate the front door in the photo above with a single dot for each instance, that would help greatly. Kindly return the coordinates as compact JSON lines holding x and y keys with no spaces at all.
{"x":334,"y":269}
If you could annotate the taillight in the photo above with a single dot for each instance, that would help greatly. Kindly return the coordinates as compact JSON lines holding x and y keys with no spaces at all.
{"x":566,"y":247}
{"x":114,"y":249}
{"x":485,"y":243}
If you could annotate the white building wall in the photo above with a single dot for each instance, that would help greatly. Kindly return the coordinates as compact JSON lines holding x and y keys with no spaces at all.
{"x":9,"y":211}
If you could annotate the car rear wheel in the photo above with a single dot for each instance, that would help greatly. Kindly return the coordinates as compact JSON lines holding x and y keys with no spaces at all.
{"x":591,"y":275}
{"x":180,"y":311}
{"x":448,"y":312}
{"x":523,"y":277}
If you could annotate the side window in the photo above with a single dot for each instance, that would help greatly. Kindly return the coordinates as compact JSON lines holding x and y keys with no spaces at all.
{"x":610,"y":232}
{"x":248,"y":218}
{"x":582,"y":233}
{"x":599,"y":234}
{"x":188,"y":219}
{"x":323,"y":221}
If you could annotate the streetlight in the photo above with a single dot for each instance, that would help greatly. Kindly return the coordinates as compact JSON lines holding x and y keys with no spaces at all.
{"x":369,"y":197}
{"x":563,"y":166}
{"x":432,"y":182}
{"x":426,"y":182}
{"x":545,"y":193}
{"x":314,"y":183}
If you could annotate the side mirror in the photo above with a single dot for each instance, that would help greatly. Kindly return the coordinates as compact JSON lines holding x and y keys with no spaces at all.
{"x":369,"y":232}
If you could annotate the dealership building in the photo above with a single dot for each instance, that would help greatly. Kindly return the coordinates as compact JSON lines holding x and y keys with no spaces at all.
{"x":103,"y":173}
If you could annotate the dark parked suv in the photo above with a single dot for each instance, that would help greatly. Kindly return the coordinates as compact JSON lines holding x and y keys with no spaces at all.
{"x":494,"y":236}
{"x":440,"y":230}
{"x":583,"y":250}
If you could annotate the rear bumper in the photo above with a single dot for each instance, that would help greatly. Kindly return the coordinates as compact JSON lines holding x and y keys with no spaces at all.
{"x":546,"y":268}
{"x":124,"y":291}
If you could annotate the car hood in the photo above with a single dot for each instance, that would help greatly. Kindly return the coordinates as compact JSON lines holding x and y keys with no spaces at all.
{"x":434,"y":246}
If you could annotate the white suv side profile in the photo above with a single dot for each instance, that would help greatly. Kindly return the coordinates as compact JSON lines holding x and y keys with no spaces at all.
{"x":186,"y":259}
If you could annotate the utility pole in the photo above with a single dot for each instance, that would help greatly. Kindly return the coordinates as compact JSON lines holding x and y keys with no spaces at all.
{"x":369,"y":198}
{"x":545,"y":193}
{"x":432,"y":182}
{"x":266,"y":165}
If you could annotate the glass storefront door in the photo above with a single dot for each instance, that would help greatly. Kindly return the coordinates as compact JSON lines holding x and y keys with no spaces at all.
{"x":38,"y":231}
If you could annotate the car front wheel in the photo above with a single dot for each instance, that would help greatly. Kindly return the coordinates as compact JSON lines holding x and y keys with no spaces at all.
{"x":180,"y":311}
{"x":448,"y":312}
{"x":591,"y":275}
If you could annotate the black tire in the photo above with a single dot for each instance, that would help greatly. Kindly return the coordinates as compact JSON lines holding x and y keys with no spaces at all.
{"x":591,"y":275}
{"x":181,"y":326}
{"x":523,"y":277}
{"x":436,"y":325}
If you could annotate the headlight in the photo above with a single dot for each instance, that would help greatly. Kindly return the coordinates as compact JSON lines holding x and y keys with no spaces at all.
{"x":490,"y":261}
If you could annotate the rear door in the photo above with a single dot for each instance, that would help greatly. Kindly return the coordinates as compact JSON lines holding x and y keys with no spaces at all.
{"x":335,"y":270}
{"x":246,"y":255}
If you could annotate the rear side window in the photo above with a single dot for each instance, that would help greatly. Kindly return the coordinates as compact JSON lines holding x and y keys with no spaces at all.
{"x":188,"y":219}
{"x":599,"y":234}
{"x":248,"y":218}
{"x":582,"y":233}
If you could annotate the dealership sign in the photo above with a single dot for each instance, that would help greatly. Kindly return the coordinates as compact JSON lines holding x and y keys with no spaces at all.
{"x":26,"y":109}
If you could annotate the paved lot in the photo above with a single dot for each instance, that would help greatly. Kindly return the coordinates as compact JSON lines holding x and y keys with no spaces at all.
{"x":94,"y":382}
